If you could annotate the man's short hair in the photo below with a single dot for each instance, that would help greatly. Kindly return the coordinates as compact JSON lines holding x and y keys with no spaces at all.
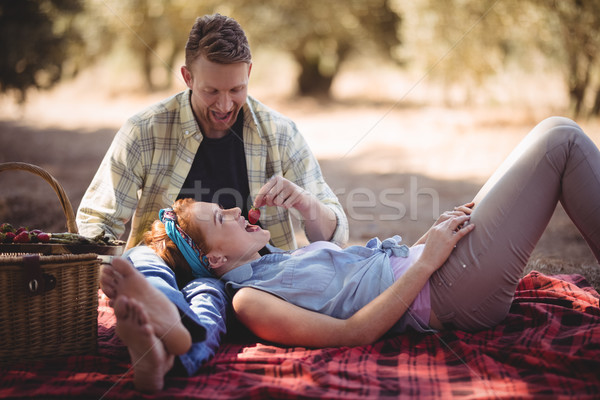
{"x":219,"y":38}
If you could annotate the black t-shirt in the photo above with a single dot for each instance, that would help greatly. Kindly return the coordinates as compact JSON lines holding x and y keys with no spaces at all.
{"x":218,"y":173}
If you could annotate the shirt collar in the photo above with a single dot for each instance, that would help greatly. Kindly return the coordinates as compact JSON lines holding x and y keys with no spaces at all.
{"x":189,"y":125}
{"x":239,"y":274}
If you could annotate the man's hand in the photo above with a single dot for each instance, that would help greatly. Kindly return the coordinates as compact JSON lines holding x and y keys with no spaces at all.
{"x":319,"y":220}
{"x":280,"y":192}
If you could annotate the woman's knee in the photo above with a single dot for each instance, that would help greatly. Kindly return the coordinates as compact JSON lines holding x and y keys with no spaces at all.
{"x":557,"y":131}
{"x":559,"y":127}
{"x":558,"y":121}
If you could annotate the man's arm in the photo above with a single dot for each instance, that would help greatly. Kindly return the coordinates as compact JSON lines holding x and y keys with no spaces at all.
{"x":111,"y":198}
{"x":320,"y":221}
{"x":322,"y":214}
{"x":275,"y":147}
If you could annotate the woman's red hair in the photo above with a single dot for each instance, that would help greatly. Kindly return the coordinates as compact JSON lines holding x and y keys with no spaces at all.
{"x":158,"y":240}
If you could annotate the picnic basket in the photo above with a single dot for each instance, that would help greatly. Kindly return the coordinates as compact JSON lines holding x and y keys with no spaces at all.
{"x":48,"y":293}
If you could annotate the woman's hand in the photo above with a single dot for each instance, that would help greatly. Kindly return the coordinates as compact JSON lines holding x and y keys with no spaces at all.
{"x":465,"y":209}
{"x":443,"y":237}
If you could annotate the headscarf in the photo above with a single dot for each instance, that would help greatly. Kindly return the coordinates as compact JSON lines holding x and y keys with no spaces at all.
{"x":191,"y":252}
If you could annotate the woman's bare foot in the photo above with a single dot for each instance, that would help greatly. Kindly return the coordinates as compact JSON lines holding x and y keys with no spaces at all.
{"x":149,"y":358}
{"x":122,"y":279}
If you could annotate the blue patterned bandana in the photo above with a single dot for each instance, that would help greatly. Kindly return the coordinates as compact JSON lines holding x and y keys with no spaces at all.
{"x":192,"y":253}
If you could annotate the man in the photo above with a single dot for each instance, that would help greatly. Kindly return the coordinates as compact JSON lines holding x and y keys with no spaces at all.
{"x":215,"y":143}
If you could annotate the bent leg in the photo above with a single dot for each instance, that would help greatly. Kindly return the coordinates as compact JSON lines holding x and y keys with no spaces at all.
{"x":121,"y":279}
{"x":555,"y":162}
{"x":202,"y":303}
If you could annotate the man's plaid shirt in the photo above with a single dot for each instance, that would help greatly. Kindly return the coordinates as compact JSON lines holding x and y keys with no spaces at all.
{"x":151,"y":155}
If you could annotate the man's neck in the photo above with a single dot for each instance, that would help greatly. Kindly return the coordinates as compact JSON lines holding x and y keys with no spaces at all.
{"x":212,"y":134}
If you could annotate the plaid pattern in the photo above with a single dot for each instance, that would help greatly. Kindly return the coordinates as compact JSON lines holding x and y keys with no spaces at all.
{"x":151,"y":155}
{"x":547,"y":348}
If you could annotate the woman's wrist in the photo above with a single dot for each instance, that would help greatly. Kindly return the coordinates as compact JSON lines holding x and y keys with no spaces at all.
{"x":425,"y":266}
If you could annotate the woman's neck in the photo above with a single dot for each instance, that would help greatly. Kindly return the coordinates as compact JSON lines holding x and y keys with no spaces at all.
{"x":230,"y":265}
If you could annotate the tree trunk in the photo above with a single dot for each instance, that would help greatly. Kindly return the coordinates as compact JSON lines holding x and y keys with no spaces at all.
{"x":595,"y":111}
{"x":311,"y":82}
{"x":147,"y":67}
{"x":579,"y":79}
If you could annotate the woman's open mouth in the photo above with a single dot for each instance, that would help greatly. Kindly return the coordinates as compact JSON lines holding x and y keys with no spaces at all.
{"x":251,"y":228}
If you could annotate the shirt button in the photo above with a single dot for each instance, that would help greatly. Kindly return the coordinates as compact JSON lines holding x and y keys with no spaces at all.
{"x":197,"y":137}
{"x":187,"y":132}
{"x":189,"y":160}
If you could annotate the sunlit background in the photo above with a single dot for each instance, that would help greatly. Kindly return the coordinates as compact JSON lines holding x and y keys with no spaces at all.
{"x":424,"y":97}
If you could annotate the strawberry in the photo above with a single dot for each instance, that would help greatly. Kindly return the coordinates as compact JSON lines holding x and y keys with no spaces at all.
{"x":9,"y":237}
{"x":253,"y":215}
{"x":21,"y":229}
{"x":6,"y":227}
{"x":33,"y":237}
{"x":43,"y":237}
{"x":22,"y":237}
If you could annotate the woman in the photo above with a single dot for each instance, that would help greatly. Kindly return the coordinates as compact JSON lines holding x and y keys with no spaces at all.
{"x":442,"y":281}
{"x":462,"y":273}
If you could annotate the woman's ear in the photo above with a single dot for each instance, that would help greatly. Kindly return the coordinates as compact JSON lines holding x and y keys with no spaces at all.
{"x":216,"y":260}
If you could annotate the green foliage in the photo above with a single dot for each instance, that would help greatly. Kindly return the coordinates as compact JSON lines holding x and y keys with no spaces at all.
{"x":479,"y":38}
{"x":35,"y":38}
{"x":474,"y":39}
{"x":321,"y":35}
{"x":575,"y":25}
{"x":154,"y":32}
{"x":460,"y":42}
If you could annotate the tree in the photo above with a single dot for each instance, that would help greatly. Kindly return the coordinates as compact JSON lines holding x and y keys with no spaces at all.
{"x":321,"y":35}
{"x":36,"y":38}
{"x":479,"y":38}
{"x":471,"y":40}
{"x":576,"y":30}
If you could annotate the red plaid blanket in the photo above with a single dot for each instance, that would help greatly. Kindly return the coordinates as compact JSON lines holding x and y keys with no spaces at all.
{"x":548,"y":347}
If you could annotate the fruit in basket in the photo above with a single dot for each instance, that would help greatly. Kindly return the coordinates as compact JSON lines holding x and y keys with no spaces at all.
{"x":75,"y":238}
{"x":6,"y":227}
{"x":43,"y":237}
{"x":8,"y":237}
{"x":22,"y":237}
{"x":8,"y":234}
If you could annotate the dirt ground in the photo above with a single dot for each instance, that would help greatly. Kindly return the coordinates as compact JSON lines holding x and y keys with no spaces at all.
{"x":395,"y":167}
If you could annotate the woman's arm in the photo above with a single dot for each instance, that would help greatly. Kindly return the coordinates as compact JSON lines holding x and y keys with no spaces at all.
{"x":273,"y":319}
{"x":276,"y":320}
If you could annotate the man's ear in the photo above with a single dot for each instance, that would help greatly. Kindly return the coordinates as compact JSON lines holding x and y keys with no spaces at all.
{"x":216,"y":260}
{"x":249,"y":69}
{"x":187,"y":76}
